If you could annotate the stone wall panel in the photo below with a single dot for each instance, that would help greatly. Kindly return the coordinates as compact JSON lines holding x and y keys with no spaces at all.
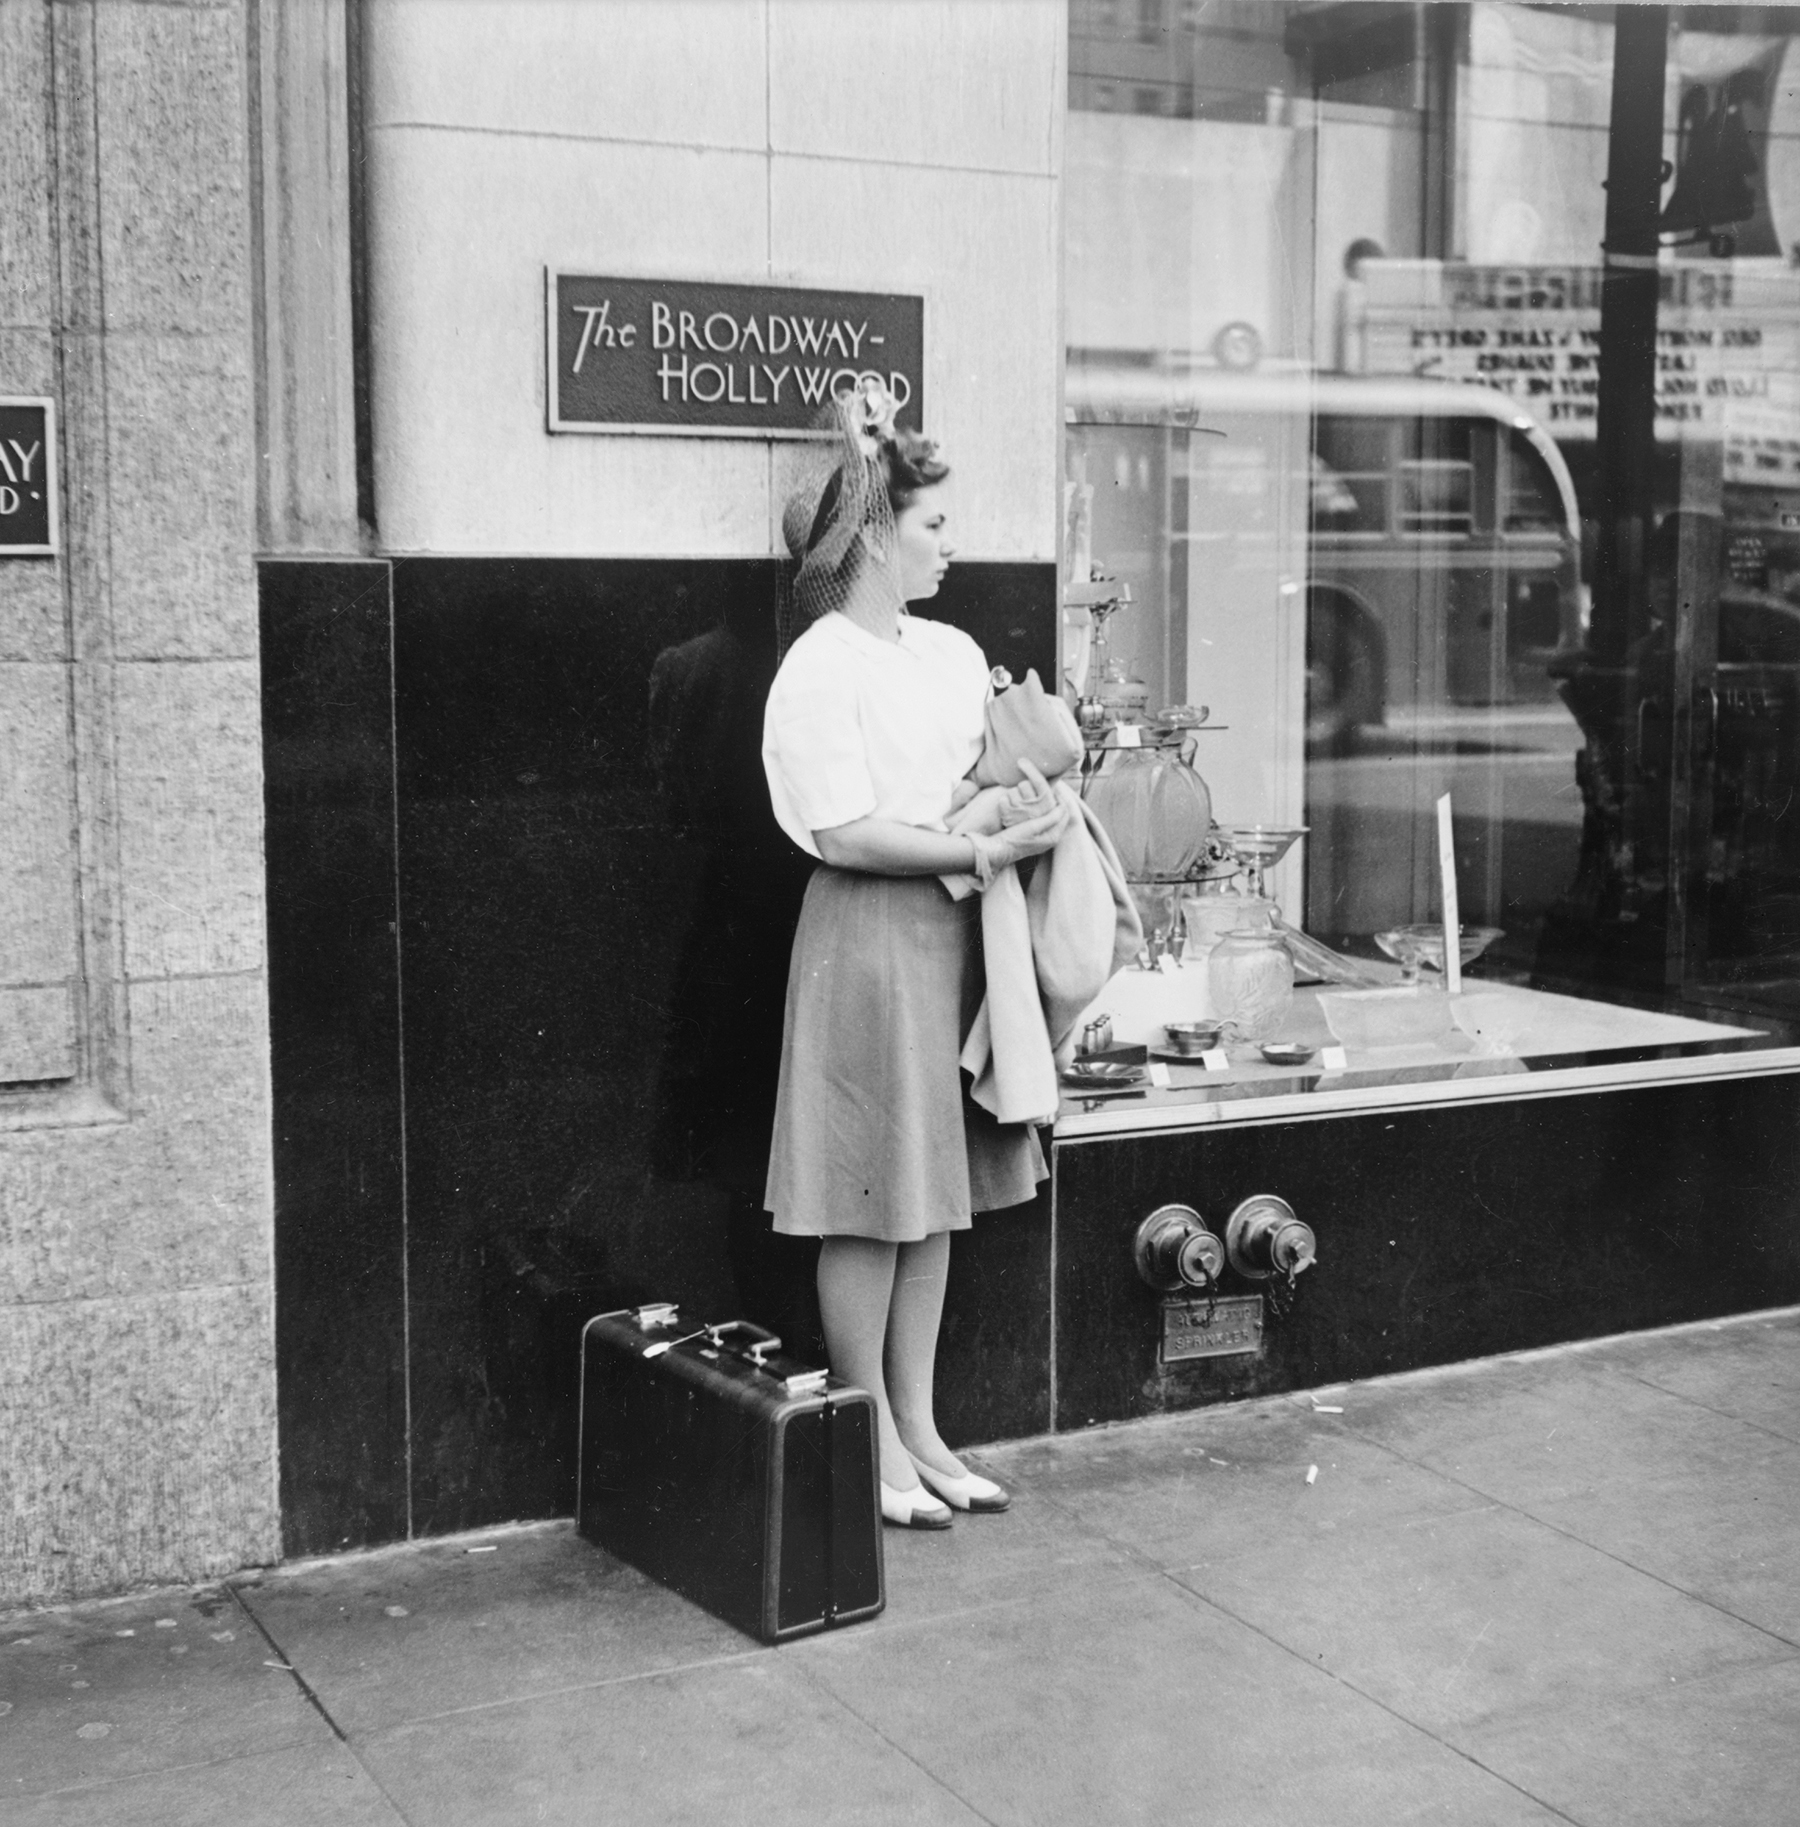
{"x":37,"y":885}
{"x":136,"y":1442}
{"x":190,"y":817}
{"x":934,"y":82}
{"x":180,"y":453}
{"x":462,"y":460}
{"x":686,"y":75}
{"x":27,"y":247}
{"x":173,"y":168}
{"x":177,"y":1198}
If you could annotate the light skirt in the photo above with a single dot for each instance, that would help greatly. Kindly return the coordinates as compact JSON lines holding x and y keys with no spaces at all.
{"x":874,"y":1133}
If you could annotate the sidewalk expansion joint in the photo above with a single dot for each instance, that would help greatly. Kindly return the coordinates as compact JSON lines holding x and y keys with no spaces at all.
{"x":819,"y":1685}
{"x":1582,"y":1541}
{"x":300,"y":1681}
{"x":1202,"y":1602}
{"x":1706,"y":1408}
{"x":536,"y":1695}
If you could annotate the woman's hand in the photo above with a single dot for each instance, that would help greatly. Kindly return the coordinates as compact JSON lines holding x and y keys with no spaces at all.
{"x":1039,"y":815}
{"x":1031,"y":798}
{"x":982,"y":813}
{"x":1030,"y":837}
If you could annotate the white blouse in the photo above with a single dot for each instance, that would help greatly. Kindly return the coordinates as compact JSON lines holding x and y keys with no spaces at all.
{"x":858,"y":727}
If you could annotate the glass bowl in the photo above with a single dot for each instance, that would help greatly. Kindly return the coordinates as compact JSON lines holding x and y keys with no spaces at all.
{"x":1423,"y":944}
{"x":1404,"y":1015}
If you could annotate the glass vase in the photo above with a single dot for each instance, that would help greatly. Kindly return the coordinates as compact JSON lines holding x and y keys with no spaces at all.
{"x":1156,"y":810}
{"x":1251,"y":979}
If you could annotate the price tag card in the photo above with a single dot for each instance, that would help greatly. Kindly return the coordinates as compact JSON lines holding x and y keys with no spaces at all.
{"x":1215,"y":1059}
{"x":1333,"y":1059}
{"x":1159,"y":1076}
{"x":1128,"y":736}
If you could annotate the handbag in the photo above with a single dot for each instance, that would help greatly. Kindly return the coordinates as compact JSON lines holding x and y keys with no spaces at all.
{"x":1025,"y":723}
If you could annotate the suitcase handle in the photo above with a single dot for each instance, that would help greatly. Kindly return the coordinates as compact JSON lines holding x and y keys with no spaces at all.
{"x":763,"y":1341}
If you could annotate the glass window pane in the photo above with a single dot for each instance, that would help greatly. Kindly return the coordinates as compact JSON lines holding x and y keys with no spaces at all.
{"x":1531,"y":498}
{"x":1344,"y":401}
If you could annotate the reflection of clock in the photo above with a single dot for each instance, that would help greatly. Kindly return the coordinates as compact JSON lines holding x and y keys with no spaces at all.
{"x":1238,"y":346}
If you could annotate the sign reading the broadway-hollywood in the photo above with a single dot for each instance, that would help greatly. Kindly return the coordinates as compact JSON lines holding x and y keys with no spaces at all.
{"x":741,"y":361}
{"x":27,"y":477}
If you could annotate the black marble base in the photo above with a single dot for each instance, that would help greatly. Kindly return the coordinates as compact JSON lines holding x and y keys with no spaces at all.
{"x":334,"y":1018}
{"x":553,"y":768}
{"x":1442,"y":1234}
{"x":993,"y":1371}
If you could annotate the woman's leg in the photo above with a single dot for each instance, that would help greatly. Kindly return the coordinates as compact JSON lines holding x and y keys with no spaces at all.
{"x":856,"y":1291}
{"x":914,"y":1315}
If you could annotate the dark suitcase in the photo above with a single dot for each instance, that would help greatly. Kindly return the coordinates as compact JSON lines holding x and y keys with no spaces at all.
{"x":745,"y":1480}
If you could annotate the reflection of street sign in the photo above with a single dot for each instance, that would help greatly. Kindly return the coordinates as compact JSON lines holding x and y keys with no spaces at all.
{"x":27,"y":477}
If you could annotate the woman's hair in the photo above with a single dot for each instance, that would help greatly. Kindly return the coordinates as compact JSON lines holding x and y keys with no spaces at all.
{"x":840,"y":525}
{"x":910,"y":464}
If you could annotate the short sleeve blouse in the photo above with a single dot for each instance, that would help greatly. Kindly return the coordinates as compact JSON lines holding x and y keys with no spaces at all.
{"x":858,"y":727}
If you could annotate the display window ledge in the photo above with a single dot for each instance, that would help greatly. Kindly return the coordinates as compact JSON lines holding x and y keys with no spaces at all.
{"x":1501,"y":1042}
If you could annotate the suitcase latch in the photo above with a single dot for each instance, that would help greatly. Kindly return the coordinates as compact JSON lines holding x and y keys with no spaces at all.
{"x":658,"y":1314}
{"x":805,"y":1383}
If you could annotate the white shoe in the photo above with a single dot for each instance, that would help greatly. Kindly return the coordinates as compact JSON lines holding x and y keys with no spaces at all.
{"x":912,"y":1509}
{"x":965,"y":1493}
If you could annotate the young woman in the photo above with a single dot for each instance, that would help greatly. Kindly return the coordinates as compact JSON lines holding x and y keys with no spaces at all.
{"x":874,"y":719}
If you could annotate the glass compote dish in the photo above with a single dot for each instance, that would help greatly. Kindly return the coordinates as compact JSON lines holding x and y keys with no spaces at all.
{"x":1422,"y":944}
{"x":1260,"y":847}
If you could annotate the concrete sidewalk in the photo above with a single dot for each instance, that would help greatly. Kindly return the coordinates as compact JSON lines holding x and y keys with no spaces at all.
{"x":1561,"y":1587}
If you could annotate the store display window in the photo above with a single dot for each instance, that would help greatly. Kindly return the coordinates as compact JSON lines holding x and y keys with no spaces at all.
{"x":1432,"y":483}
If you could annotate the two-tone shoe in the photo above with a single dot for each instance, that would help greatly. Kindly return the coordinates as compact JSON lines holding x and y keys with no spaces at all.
{"x":912,"y":1509}
{"x":968,"y":1492}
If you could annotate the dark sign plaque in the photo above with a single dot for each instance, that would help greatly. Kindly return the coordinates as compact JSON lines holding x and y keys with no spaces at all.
{"x":686,"y":358}
{"x":1218,"y":1329}
{"x":27,"y":477}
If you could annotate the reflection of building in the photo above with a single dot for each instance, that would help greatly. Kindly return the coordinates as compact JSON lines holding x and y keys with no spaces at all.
{"x":1476,"y":133}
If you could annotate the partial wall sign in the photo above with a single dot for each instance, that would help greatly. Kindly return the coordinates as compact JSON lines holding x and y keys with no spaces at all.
{"x":27,"y":477}
{"x":738,"y":361}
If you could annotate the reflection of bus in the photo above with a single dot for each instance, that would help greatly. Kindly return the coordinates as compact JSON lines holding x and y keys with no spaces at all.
{"x":1441,"y":534}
